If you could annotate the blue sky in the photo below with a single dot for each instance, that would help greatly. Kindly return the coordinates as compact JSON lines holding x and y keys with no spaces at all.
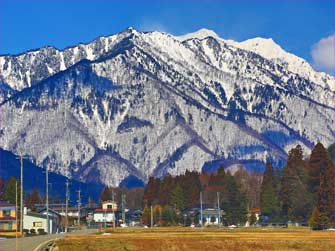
{"x":296,"y":25}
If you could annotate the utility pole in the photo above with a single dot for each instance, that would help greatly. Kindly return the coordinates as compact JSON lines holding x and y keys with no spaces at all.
{"x":47,"y":196}
{"x":16,"y":241}
{"x":201,"y":221}
{"x":151,"y":217}
{"x":113,"y":209}
{"x":123,"y":200}
{"x":79,"y":205}
{"x":219,"y":211}
{"x":66,"y":205}
{"x":21,"y":195}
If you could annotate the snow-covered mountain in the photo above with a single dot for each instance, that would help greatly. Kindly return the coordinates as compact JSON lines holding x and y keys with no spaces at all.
{"x":141,"y":104}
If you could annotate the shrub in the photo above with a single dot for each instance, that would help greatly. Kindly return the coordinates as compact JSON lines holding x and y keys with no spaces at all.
{"x":32,"y":231}
{"x":41,"y":231}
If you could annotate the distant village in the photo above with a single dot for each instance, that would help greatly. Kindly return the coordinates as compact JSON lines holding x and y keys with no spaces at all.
{"x":300,"y":194}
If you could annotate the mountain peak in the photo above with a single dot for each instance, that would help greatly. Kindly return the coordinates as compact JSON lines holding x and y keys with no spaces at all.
{"x":199,"y":34}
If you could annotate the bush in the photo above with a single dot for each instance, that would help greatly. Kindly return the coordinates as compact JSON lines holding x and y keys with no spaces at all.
{"x":32,"y":231}
{"x":41,"y":231}
{"x":25,"y":231}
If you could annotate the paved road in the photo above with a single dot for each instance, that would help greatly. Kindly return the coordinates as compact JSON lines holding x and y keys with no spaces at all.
{"x":30,"y":243}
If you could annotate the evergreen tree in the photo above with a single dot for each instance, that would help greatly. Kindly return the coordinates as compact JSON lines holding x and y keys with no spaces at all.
{"x":321,"y":180}
{"x":32,"y":199}
{"x":166,"y":186}
{"x":178,"y":198}
{"x":10,"y":190}
{"x":233,"y":201}
{"x":146,"y":216}
{"x":168,"y":216}
{"x":151,"y":192}
{"x":2,"y":186}
{"x":314,"y":219}
{"x":269,"y":197}
{"x":191,"y":187}
{"x":294,"y":194}
{"x":106,"y":194}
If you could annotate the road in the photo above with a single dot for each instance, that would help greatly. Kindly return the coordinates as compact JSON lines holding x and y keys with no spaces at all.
{"x":31,"y":243}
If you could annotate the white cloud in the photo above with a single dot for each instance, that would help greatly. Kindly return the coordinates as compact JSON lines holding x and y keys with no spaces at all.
{"x":323,"y":54}
{"x":148,"y":25}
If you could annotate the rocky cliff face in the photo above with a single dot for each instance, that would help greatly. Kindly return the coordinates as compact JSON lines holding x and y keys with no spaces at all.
{"x":141,"y":104}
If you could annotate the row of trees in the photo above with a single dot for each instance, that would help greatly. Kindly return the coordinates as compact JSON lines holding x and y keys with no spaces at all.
{"x":170,"y":196}
{"x":303,"y":190}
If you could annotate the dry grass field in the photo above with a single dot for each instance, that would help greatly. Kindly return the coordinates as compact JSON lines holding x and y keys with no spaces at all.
{"x":180,"y":239}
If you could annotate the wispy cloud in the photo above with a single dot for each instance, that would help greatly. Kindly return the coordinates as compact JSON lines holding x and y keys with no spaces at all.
{"x":149,"y":25}
{"x":323,"y":54}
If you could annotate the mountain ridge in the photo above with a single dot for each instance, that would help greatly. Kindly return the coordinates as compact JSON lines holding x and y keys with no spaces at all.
{"x":152,"y":105}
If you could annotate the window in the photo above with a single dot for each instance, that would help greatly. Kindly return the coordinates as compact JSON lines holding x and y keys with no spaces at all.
{"x":109,"y":206}
{"x":37,"y":224}
{"x":6,"y":212}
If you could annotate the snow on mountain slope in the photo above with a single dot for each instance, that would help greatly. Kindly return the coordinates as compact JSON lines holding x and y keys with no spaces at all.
{"x":268,"y":49}
{"x":141,"y":104}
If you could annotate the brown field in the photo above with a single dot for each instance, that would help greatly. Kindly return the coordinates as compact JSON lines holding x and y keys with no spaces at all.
{"x":180,"y":239}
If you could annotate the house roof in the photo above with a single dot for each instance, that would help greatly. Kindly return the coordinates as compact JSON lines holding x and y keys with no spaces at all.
{"x":6,"y":204}
{"x":39,"y":215}
{"x":100,"y":210}
{"x":255,"y":211}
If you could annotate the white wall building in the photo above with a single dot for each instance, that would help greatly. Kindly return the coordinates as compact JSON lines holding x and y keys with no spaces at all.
{"x":38,"y":221}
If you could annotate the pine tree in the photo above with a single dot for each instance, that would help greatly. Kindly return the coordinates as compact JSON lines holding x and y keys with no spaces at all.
{"x":294,"y":194}
{"x":10,"y":190}
{"x":151,"y":192}
{"x":33,"y":199}
{"x":191,"y":187}
{"x":106,"y":194}
{"x":314,"y":219}
{"x":269,"y":197}
{"x":178,"y":198}
{"x":321,"y":180}
{"x":2,"y":186}
{"x":146,"y":216}
{"x":233,"y":201}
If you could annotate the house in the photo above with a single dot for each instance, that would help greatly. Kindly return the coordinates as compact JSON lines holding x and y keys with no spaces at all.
{"x":133,"y":217}
{"x":256,"y":212}
{"x":106,"y":213}
{"x":210,"y":216}
{"x":7,"y":216}
{"x":37,"y":221}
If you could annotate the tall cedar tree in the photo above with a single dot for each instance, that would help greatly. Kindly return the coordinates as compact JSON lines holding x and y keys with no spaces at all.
{"x":106,"y":194}
{"x":166,"y":186}
{"x":269,"y":194}
{"x":178,"y":198}
{"x":32,"y":199}
{"x":9,"y":190}
{"x":191,"y":187}
{"x":2,"y":186}
{"x":233,"y":201}
{"x":294,"y":195}
{"x":151,"y":192}
{"x":321,"y":180}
